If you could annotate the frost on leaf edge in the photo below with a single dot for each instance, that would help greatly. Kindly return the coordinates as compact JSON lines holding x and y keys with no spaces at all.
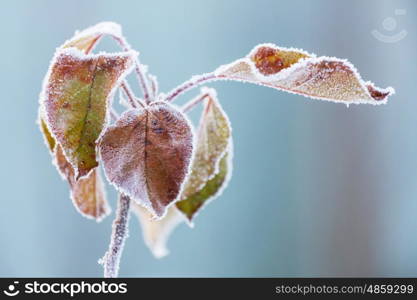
{"x":149,"y":208}
{"x":265,"y":80}
{"x":80,"y":55}
{"x":98,"y":31}
{"x":212,"y":93}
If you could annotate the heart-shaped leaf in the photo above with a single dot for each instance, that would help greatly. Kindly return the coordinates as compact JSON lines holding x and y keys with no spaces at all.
{"x":87,"y":193}
{"x":146,"y":155}
{"x":156,"y":232}
{"x":76,"y":94}
{"x":299,"y":72}
{"x":211,"y":164}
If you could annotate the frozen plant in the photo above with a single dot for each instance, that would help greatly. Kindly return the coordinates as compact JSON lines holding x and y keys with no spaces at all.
{"x":163,"y":172}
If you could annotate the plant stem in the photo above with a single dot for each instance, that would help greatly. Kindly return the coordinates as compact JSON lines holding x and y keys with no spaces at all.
{"x":189,"y":84}
{"x":111,"y":259}
{"x":114,"y":115}
{"x":130,"y":96}
{"x":193,"y":102}
{"x":154,"y":85}
{"x":140,"y":73}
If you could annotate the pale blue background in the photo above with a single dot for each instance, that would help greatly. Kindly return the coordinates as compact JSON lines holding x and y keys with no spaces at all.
{"x":318,"y":189}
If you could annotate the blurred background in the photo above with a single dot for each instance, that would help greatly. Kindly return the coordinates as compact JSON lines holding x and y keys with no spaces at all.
{"x":318,"y":189}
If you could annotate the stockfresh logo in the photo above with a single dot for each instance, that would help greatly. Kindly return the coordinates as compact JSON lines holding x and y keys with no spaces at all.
{"x":62,"y":288}
{"x":12,"y":290}
{"x":390,"y":26}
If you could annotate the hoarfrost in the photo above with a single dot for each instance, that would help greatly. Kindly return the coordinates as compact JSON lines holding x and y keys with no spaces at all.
{"x":88,"y":38}
{"x":68,"y":88}
{"x":120,"y":232}
{"x":296,"y":71}
{"x":211,"y":166}
{"x":146,"y":155}
{"x":87,"y":194}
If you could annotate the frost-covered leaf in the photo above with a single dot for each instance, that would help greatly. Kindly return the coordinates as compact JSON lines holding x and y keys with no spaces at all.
{"x":210,"y":166}
{"x":87,"y":193}
{"x":299,"y":72}
{"x":83,"y":41}
{"x":49,"y":139}
{"x":192,"y":204}
{"x":156,"y":232}
{"x":76,"y":94}
{"x":146,"y":154}
{"x":86,"y":40}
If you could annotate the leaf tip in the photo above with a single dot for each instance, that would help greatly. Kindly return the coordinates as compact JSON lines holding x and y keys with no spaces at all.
{"x":296,"y":71}
{"x":379,"y":94}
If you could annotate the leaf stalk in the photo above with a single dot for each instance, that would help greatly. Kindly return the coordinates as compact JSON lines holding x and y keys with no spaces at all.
{"x":140,"y":73}
{"x":193,"y":102}
{"x":190,"y":84}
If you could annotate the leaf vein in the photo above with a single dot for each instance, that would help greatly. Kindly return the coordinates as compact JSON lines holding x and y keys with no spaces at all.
{"x":84,"y":121}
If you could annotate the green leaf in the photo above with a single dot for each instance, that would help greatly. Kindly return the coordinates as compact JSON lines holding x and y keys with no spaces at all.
{"x":194,"y":202}
{"x":211,"y":166}
{"x":76,"y":95}
{"x":83,"y":41}
{"x":87,"y":194}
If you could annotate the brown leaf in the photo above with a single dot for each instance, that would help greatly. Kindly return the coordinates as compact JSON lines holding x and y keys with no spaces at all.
{"x":146,"y":155}
{"x":76,"y":94}
{"x":299,"y":72}
{"x":87,"y":193}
